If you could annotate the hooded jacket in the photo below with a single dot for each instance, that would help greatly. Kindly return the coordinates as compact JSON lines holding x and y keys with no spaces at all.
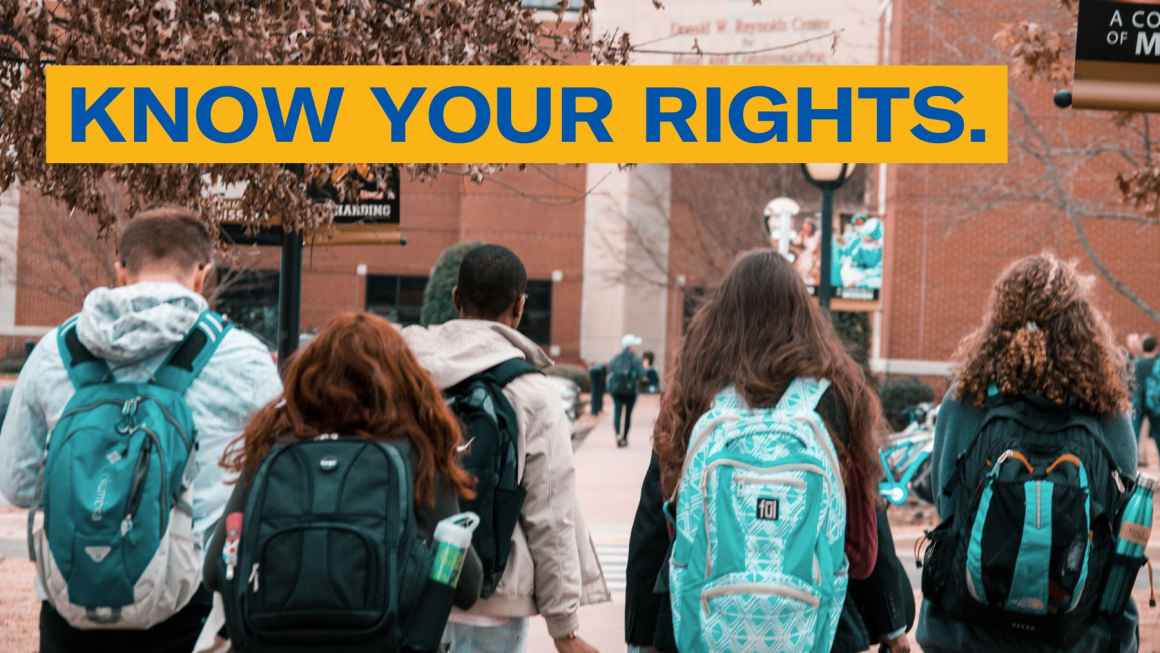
{"x":134,"y":328}
{"x":552,"y":569}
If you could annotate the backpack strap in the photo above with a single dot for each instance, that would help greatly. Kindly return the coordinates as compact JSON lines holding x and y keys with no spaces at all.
{"x":509,"y":371}
{"x":191,"y":356}
{"x":83,"y":367}
{"x":802,"y":396}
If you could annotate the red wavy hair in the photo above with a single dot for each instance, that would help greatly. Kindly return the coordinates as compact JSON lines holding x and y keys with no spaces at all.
{"x":358,"y":377}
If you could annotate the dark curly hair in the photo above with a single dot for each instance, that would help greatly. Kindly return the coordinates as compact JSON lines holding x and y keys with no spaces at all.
{"x":1042,"y":336}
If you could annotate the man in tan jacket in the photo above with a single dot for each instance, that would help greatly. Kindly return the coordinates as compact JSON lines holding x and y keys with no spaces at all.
{"x":552,"y":569}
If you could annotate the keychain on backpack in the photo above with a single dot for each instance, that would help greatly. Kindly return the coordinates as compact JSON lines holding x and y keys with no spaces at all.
{"x":233,"y":537}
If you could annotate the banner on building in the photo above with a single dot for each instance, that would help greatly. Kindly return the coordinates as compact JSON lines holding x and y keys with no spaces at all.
{"x":371,"y":217}
{"x":1117,"y":56}
{"x":856,"y":261}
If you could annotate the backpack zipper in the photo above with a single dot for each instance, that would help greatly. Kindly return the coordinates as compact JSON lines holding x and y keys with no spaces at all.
{"x":139,"y":472}
{"x":1038,"y":503}
{"x":253,"y":579}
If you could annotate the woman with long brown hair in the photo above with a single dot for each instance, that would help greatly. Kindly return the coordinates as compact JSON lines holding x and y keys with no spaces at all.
{"x":1044,"y":350}
{"x":358,"y":378}
{"x":758,"y":332}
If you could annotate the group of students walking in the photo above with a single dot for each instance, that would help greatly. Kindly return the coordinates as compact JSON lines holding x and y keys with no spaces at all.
{"x":183,"y":496}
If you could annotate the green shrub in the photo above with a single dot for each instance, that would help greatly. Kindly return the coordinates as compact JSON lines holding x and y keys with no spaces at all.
{"x":900,"y":394}
{"x":574,"y":373}
{"x":437,"y":305}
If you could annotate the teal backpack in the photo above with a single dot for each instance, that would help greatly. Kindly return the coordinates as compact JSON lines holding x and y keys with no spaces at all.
{"x":758,"y":562}
{"x":1152,"y":391}
{"x":115,"y":547}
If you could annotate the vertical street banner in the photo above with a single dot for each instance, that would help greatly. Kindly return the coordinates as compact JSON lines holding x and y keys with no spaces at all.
{"x":1117,"y":56}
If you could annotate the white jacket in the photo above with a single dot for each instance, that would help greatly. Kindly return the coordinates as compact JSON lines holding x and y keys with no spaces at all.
{"x":134,"y":328}
{"x":553,"y":568}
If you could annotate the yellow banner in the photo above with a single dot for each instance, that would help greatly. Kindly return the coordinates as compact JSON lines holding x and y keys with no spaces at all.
{"x":526,"y":114}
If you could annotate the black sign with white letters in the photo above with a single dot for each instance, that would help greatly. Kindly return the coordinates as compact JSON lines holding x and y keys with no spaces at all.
{"x":1118,"y":31}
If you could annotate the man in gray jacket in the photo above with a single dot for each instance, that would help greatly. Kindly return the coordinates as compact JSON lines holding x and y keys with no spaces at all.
{"x":164,"y":258}
{"x":552,"y":569}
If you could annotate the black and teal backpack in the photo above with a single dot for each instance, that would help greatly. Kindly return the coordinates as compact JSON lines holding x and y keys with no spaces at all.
{"x":623,"y":374}
{"x":1031,"y":538}
{"x":330,"y":557}
{"x":115,"y":548}
{"x":490,"y":433}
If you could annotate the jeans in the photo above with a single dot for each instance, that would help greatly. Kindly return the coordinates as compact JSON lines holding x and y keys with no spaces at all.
{"x":622,"y":404}
{"x":177,"y":634}
{"x":509,"y":638}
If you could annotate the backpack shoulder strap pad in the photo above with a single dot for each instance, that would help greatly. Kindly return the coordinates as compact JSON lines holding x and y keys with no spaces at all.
{"x":83,"y":367}
{"x":802,"y":395}
{"x":191,"y":356}
{"x":510,"y":370}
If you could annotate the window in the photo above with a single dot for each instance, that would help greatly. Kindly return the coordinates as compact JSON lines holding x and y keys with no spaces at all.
{"x":693,"y":298}
{"x":249,"y":298}
{"x":399,"y":299}
{"x":537,"y":322}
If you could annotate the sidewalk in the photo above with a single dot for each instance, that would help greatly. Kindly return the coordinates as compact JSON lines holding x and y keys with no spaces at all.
{"x":608,"y":483}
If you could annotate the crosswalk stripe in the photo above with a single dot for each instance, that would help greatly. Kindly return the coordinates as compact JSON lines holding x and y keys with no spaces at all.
{"x":614,"y":561}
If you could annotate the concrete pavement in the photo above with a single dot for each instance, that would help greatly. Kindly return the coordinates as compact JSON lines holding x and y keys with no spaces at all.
{"x":608,"y":484}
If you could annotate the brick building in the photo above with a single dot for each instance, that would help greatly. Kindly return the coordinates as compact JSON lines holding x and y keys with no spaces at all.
{"x":56,"y":257}
{"x":946,"y":243}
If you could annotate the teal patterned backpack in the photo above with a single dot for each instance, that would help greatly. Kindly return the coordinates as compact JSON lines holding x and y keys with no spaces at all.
{"x":758,"y":563}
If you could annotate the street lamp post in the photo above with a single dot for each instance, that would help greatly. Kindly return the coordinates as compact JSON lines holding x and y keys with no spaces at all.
{"x":828,"y":177}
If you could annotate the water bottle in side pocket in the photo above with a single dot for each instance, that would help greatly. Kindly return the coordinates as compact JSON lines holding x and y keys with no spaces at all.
{"x":1135,"y":529}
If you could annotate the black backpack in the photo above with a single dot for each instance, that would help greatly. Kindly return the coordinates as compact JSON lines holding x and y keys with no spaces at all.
{"x":330,"y":558}
{"x":1032,"y":535}
{"x":490,"y":433}
{"x":623,"y":374}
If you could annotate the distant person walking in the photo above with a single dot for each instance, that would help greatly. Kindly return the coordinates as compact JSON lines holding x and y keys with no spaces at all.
{"x":1033,"y":449}
{"x":1146,"y":391}
{"x":624,"y":374}
{"x":652,"y":379}
{"x":598,"y":375}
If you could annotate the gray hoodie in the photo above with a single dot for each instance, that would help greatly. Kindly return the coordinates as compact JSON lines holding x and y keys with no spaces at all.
{"x":553,"y":568}
{"x":134,"y":328}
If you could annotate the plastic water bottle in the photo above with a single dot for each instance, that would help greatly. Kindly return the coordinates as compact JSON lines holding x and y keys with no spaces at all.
{"x":1131,"y":547}
{"x":452,"y":540}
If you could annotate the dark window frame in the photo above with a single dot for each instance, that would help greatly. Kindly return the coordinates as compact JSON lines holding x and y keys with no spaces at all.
{"x":377,"y":297}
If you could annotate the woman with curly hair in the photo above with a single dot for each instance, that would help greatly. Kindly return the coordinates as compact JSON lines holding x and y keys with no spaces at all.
{"x":1043,"y":349}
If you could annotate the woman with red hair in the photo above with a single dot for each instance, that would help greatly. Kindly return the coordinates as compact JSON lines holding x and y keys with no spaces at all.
{"x":358,"y":378}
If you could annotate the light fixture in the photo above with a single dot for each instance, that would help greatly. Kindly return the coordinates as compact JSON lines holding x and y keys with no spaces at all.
{"x":828,"y":177}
